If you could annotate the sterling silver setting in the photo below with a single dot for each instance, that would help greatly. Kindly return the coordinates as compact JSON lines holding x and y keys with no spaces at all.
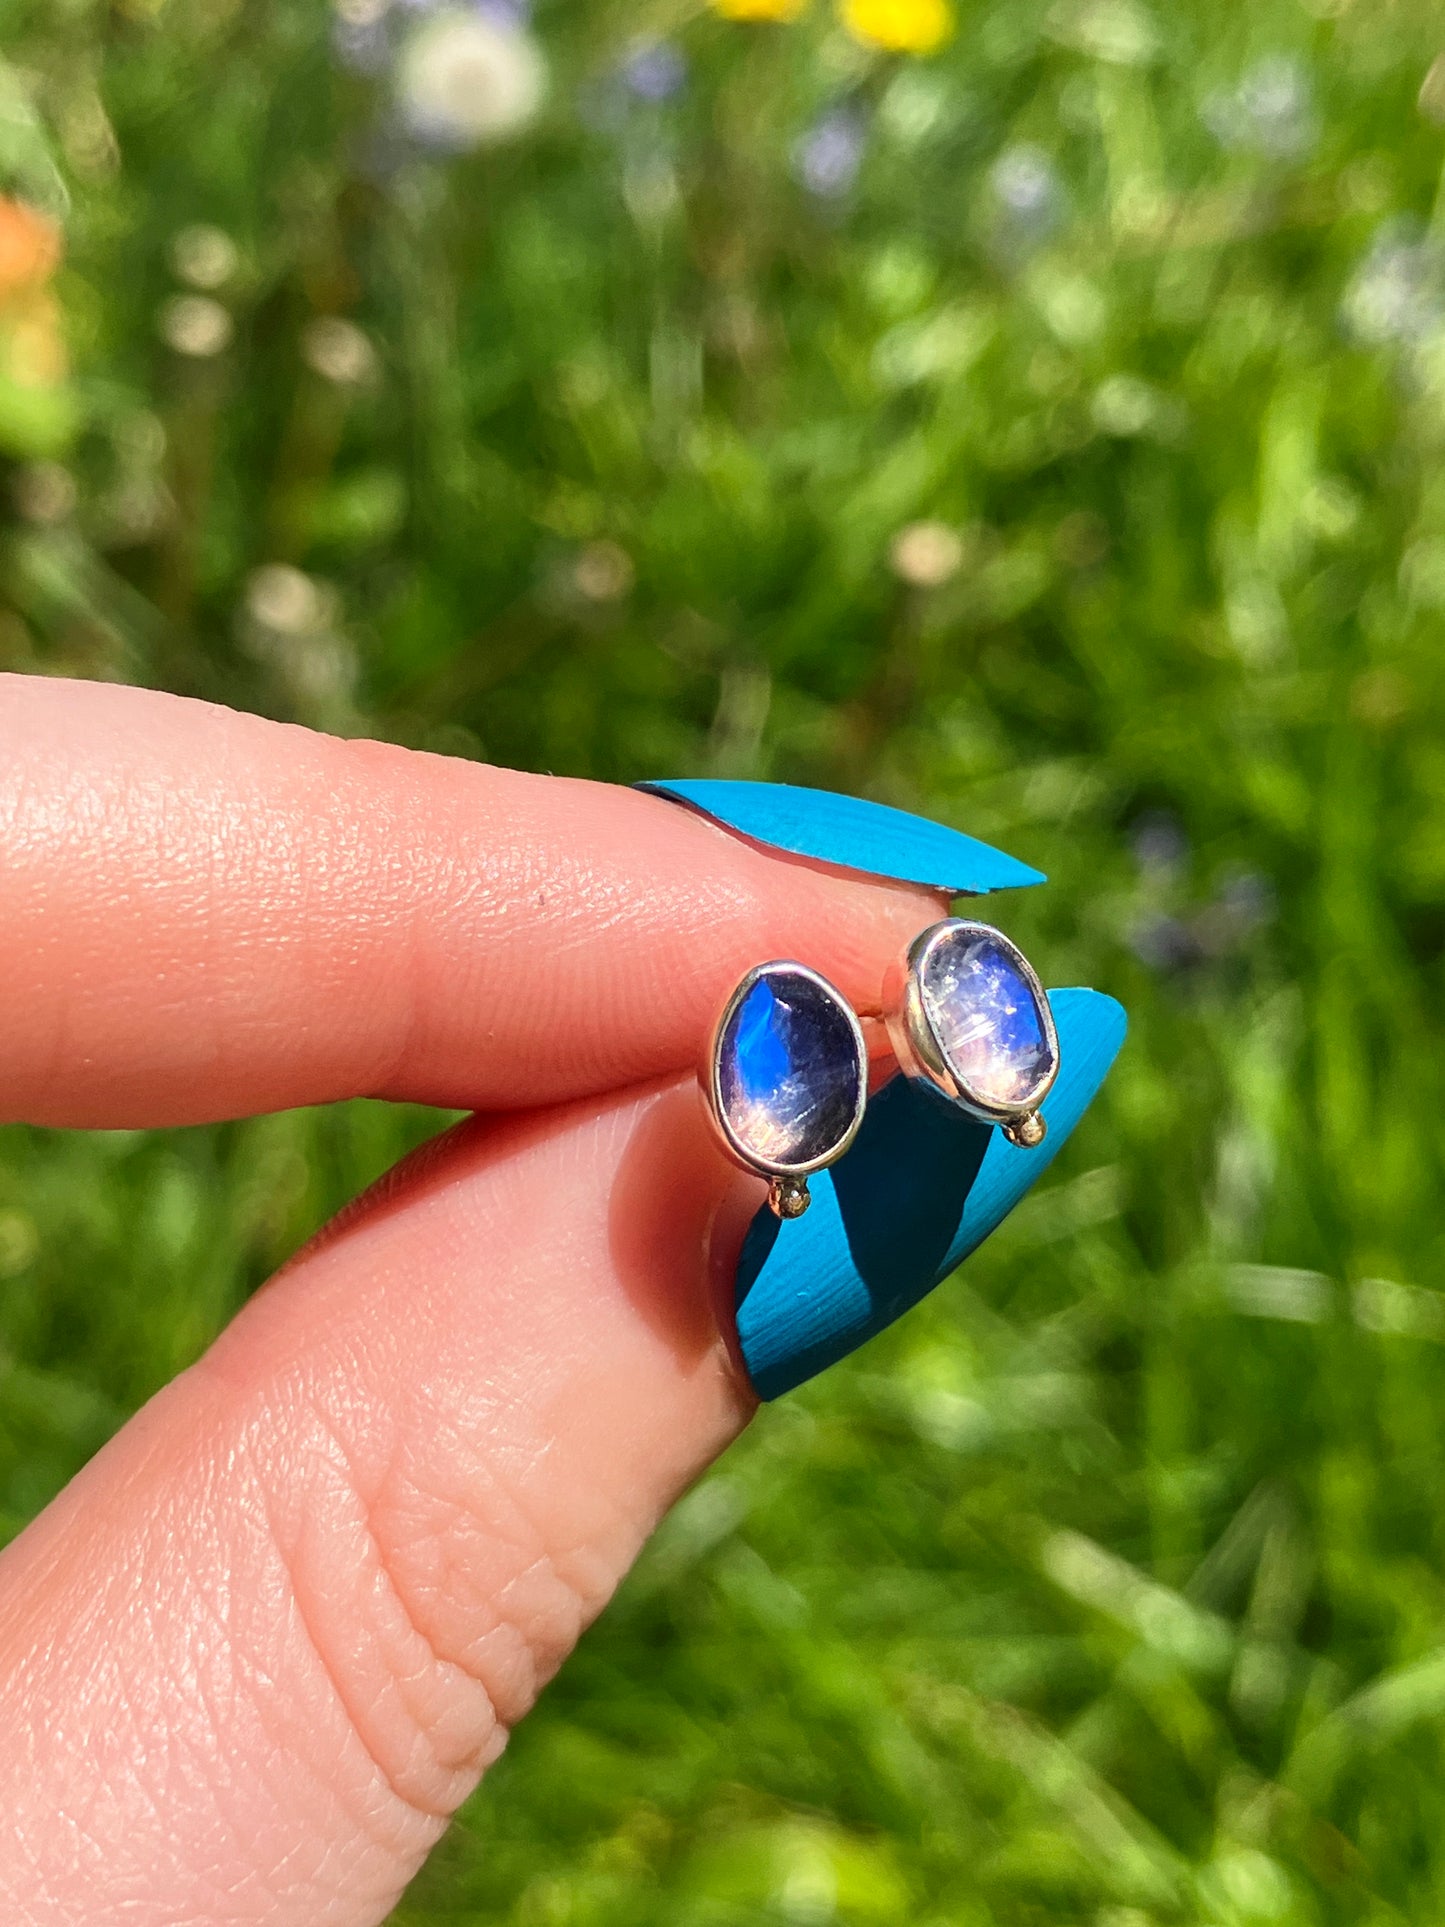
{"x":785,"y":1127}
{"x":923,"y":1051}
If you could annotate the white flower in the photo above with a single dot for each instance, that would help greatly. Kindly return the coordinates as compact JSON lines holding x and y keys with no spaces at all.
{"x":204,"y":256}
{"x":194,"y":324}
{"x":338,"y":351}
{"x":926,"y":554}
{"x":1271,"y":110}
{"x":286,"y":601}
{"x":1398,"y":291}
{"x":464,"y":80}
{"x":603,"y":572}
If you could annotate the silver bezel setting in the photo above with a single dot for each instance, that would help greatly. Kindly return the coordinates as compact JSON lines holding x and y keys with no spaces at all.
{"x":711,"y":1080}
{"x":915,"y":1042}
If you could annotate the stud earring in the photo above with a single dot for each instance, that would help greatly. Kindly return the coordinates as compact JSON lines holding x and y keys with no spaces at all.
{"x":786,"y":1078}
{"x":967,"y":1014}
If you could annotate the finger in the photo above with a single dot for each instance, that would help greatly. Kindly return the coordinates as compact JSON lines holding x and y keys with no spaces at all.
{"x":269,"y":1639}
{"x":265,"y":1643}
{"x":205,"y":914}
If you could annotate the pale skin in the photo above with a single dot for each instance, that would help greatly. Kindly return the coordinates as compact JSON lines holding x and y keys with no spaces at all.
{"x":254,"y":1656}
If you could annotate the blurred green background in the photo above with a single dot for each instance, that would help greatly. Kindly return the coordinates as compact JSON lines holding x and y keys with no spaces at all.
{"x":1037,"y":422}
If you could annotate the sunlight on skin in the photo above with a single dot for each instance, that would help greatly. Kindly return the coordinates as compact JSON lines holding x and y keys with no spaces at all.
{"x":273,"y":1633}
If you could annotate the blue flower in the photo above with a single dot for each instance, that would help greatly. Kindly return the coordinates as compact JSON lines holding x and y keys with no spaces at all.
{"x":826,"y":159}
{"x":514,"y":14}
{"x":653,"y":70}
{"x":1026,"y":187}
{"x":1159,"y":843}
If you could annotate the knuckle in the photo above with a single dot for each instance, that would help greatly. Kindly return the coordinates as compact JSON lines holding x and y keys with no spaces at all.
{"x":433,"y":1599}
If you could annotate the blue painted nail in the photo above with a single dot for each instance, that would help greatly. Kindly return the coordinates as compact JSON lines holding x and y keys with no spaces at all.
{"x":856,"y":834}
{"x":922,"y":1187}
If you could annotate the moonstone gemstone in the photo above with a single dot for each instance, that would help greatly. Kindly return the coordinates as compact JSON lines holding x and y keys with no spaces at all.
{"x":789,"y":1071}
{"x":986,"y":1018}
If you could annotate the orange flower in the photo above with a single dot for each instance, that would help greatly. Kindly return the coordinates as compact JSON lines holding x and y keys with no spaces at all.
{"x":32,"y":344}
{"x":900,"y":26}
{"x":29,"y":249}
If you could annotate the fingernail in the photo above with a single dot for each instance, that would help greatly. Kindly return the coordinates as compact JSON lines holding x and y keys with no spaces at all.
{"x":923,"y":1186}
{"x":854,"y":833}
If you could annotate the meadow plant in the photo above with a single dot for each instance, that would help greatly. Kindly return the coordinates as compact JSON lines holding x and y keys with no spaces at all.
{"x":1034,"y":416}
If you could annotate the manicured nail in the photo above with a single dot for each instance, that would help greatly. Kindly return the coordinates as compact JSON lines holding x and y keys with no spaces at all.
{"x":856,"y":834}
{"x":923,"y":1186}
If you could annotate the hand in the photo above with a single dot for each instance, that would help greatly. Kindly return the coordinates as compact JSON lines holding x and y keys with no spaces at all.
{"x":258,"y":1651}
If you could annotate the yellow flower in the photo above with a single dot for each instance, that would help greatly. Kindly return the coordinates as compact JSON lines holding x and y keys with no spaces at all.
{"x":902,"y":26}
{"x":759,"y":9}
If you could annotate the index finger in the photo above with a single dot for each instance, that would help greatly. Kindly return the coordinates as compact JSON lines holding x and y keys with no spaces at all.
{"x":204,"y":914}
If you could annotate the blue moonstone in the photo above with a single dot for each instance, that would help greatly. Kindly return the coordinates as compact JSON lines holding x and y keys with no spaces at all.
{"x":986,"y":1018}
{"x":789,"y":1070}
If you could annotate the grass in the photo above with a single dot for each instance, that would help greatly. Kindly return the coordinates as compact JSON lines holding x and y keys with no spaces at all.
{"x":1108,"y":1588}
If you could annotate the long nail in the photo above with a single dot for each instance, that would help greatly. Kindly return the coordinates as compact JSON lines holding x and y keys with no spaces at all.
{"x":855,"y":834}
{"x":923,"y":1186}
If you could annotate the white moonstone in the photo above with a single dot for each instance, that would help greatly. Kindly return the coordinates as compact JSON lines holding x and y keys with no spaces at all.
{"x":986,"y":1019}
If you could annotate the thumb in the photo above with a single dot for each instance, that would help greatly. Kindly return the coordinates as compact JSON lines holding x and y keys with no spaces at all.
{"x":264,"y":1645}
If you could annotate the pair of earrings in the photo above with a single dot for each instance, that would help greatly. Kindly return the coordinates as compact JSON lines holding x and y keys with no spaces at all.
{"x":786,"y":1076}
